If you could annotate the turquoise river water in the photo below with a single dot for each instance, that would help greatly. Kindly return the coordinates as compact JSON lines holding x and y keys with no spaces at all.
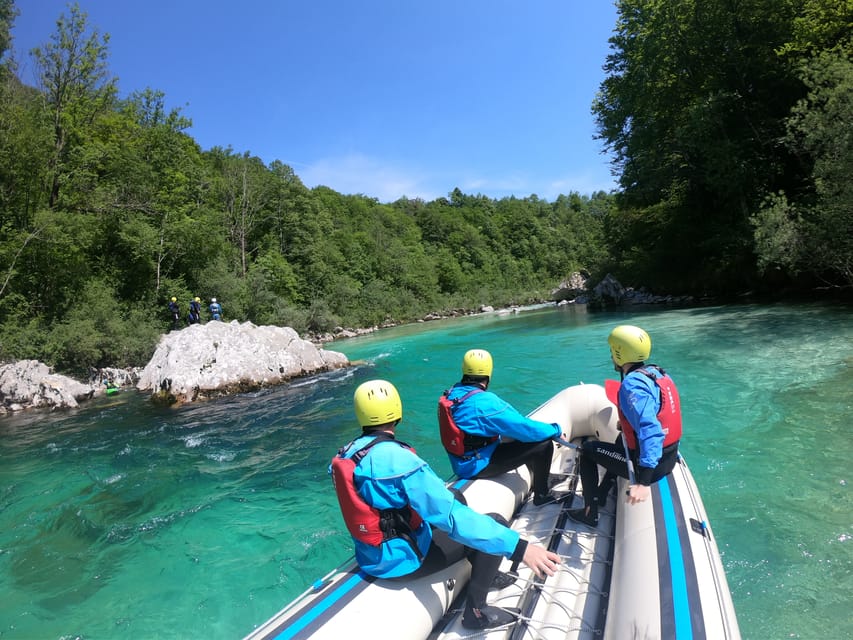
{"x":122,"y":519}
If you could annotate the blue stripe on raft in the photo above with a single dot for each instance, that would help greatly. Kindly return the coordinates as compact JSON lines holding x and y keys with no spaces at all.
{"x":315,"y":612}
{"x":318,"y":609}
{"x":680,"y":600}
{"x":667,"y":607}
{"x":460,"y":484}
{"x":685,"y":535}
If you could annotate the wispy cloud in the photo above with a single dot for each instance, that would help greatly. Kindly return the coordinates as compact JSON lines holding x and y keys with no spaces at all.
{"x":586,"y":182}
{"x":373,"y":177}
{"x":358,"y":173}
{"x":546,"y":187}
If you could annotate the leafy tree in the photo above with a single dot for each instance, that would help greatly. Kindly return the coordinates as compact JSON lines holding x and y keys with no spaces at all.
{"x":53,"y":269}
{"x":289,"y":203}
{"x":821,"y":25}
{"x":25,"y":143}
{"x":152,"y":188}
{"x":574,"y":239}
{"x":806,"y":227}
{"x":273,"y":273}
{"x":814,"y":232}
{"x":8,"y":13}
{"x":693,"y":107}
{"x":245,"y":191}
{"x":97,"y":333}
{"x":778,"y":235}
{"x":820,"y":124}
{"x":77,"y":88}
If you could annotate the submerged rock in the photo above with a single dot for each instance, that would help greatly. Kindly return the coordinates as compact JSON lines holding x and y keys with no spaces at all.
{"x":213,"y":359}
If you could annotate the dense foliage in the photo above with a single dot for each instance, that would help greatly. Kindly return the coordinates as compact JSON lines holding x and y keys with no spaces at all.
{"x":728,"y":121}
{"x":108,"y":208}
{"x":730,"y":124}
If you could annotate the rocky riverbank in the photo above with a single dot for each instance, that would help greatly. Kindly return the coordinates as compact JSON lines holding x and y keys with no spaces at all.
{"x":201,"y":361}
{"x":29,"y":384}
{"x":213,"y":359}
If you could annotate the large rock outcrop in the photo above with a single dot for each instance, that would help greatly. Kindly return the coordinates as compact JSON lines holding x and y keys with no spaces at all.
{"x":204,"y":361}
{"x":608,"y":293}
{"x":29,"y":384}
{"x":570,"y":288}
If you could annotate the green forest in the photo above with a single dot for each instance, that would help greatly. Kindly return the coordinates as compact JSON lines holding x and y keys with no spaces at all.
{"x":729,"y":124}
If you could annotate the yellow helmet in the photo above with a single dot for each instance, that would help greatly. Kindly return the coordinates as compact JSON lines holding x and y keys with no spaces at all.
{"x":197,"y":299}
{"x":629,"y":344}
{"x":477,"y":362}
{"x":377,"y":402}
{"x":174,"y":299}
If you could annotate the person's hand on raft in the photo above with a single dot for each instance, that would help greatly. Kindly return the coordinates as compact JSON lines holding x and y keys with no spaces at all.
{"x":540,"y":560}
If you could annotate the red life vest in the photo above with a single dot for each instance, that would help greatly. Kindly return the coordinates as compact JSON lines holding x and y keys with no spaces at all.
{"x":669,"y":414}
{"x":366,"y":523}
{"x":454,"y":439}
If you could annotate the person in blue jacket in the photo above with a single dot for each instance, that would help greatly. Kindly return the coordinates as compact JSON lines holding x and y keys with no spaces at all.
{"x":649,"y":418}
{"x":495,"y":437}
{"x":405,"y":522}
{"x":194,"y":315}
{"x":175,"y":312}
{"x":215,"y":310}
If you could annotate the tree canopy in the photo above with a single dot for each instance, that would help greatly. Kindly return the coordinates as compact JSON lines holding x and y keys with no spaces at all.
{"x":725,"y":122}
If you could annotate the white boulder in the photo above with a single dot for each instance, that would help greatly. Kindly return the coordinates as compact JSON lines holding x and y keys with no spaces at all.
{"x":30,"y":384}
{"x":217,"y":358}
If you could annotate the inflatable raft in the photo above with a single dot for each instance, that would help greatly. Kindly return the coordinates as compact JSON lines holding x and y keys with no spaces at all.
{"x":647,"y":571}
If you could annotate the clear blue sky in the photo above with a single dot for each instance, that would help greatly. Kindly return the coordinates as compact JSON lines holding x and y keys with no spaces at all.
{"x":387,"y":98}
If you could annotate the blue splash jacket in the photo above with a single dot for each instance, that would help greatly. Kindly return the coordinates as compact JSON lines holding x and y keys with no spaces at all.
{"x":639,"y":400}
{"x":391,"y":477}
{"x":485,"y":414}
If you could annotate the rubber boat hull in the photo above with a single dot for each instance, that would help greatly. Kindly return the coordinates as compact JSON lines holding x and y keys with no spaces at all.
{"x":647,"y":571}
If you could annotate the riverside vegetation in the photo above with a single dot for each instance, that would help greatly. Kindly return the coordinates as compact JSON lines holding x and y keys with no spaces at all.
{"x":728,"y":128}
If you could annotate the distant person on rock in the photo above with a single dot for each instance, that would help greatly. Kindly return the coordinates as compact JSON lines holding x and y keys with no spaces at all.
{"x":485,"y":436}
{"x":650,"y":421}
{"x":215,"y":310}
{"x":194,"y":316}
{"x":175,"y":313}
{"x":405,"y":522}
